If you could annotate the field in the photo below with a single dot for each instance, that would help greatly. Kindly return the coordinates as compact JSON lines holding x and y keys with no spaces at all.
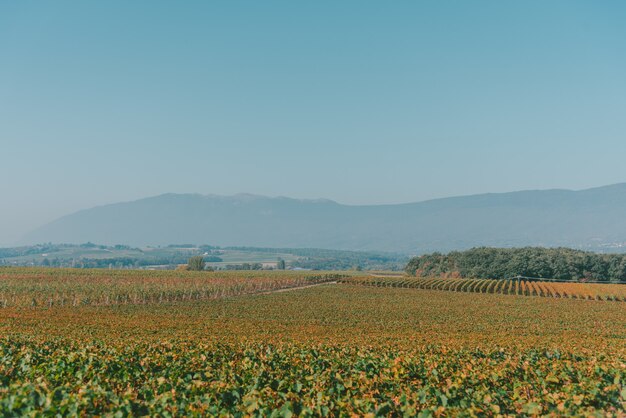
{"x":78,"y":253}
{"x":519,"y":287}
{"x":120,"y":256}
{"x":328,"y":350}
{"x":35,"y":287}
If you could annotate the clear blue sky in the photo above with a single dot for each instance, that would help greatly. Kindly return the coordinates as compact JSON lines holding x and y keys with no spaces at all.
{"x":357,"y":101}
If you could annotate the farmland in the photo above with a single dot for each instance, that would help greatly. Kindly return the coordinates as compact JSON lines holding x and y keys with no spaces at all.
{"x":90,"y":255}
{"x":332,"y":349}
{"x":518,"y":287}
{"x":72,"y":287}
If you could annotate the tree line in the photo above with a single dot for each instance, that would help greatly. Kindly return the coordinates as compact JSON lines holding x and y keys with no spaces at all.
{"x":115,"y":262}
{"x":500,"y":263}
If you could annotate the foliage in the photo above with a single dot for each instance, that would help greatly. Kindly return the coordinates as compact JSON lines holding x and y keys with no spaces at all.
{"x":244,"y":266}
{"x":331,"y":350}
{"x":280,"y":265}
{"x":498,"y":263}
{"x":177,"y":378}
{"x":323,"y":259}
{"x":196,"y":263}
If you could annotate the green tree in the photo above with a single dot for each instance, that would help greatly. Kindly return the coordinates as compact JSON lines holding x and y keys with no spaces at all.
{"x":281,"y":264}
{"x":196,"y":263}
{"x":498,"y":263}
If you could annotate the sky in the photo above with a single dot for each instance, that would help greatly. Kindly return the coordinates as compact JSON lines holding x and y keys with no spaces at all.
{"x":362,"y":102}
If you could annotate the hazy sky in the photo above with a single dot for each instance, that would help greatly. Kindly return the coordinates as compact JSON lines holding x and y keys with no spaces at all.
{"x":360,"y":102}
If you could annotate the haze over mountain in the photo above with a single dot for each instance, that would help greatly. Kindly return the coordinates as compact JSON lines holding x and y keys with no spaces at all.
{"x":593,"y":218}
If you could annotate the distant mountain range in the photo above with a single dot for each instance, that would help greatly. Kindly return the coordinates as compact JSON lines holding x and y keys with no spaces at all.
{"x":592,"y":219}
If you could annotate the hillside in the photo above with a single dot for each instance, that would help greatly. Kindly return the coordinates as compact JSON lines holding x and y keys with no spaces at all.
{"x":591,"y":219}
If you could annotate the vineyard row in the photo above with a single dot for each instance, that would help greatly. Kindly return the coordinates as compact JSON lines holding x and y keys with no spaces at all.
{"x":603,"y":292}
{"x":48,"y":292}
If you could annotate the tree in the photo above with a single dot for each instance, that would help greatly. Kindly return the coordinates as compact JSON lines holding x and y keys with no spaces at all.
{"x":196,"y":263}
{"x":281,"y":264}
{"x":494,"y":263}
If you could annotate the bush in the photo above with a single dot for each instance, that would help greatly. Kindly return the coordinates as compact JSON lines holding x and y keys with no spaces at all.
{"x":196,"y":263}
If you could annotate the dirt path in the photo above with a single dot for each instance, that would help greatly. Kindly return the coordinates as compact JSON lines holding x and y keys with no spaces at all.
{"x":288,"y":289}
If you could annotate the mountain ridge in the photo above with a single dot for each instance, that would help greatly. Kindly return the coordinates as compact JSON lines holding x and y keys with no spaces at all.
{"x":555,"y":217}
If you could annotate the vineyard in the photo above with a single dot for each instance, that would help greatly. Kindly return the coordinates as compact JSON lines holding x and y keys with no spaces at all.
{"x":587,"y":291}
{"x":40,"y":287}
{"x":328,"y":350}
{"x":182,"y":379}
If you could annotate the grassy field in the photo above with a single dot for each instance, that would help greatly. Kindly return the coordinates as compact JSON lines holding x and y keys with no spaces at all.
{"x":328,"y":350}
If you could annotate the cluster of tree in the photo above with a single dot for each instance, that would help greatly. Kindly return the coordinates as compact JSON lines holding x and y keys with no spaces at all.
{"x":178,"y":257}
{"x":352,"y":262}
{"x":341,"y":264}
{"x":113,"y":262}
{"x":118,"y":247}
{"x":193,"y":247}
{"x":117,"y":263}
{"x":197,"y":263}
{"x":493,"y":263}
{"x":54,"y":248}
{"x":244,"y":266}
{"x":30,"y":250}
{"x":322,"y":259}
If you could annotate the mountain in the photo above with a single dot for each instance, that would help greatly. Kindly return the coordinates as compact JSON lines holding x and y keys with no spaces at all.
{"x":592,"y":218}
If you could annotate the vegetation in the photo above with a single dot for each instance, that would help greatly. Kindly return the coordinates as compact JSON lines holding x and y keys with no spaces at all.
{"x":231,"y":258}
{"x":499,"y":263}
{"x":244,"y":266}
{"x":280,"y":265}
{"x":175,"y":378}
{"x":90,"y":255}
{"x":196,"y":263}
{"x":329,"y":350}
{"x":321,"y":259}
{"x":40,"y":287}
{"x":521,"y":287}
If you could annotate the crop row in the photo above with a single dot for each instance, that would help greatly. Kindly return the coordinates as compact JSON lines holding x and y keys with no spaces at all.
{"x":588,"y":291}
{"x":67,"y":287}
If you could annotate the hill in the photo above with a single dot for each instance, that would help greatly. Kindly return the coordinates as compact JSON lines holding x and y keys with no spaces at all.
{"x":592,"y":219}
